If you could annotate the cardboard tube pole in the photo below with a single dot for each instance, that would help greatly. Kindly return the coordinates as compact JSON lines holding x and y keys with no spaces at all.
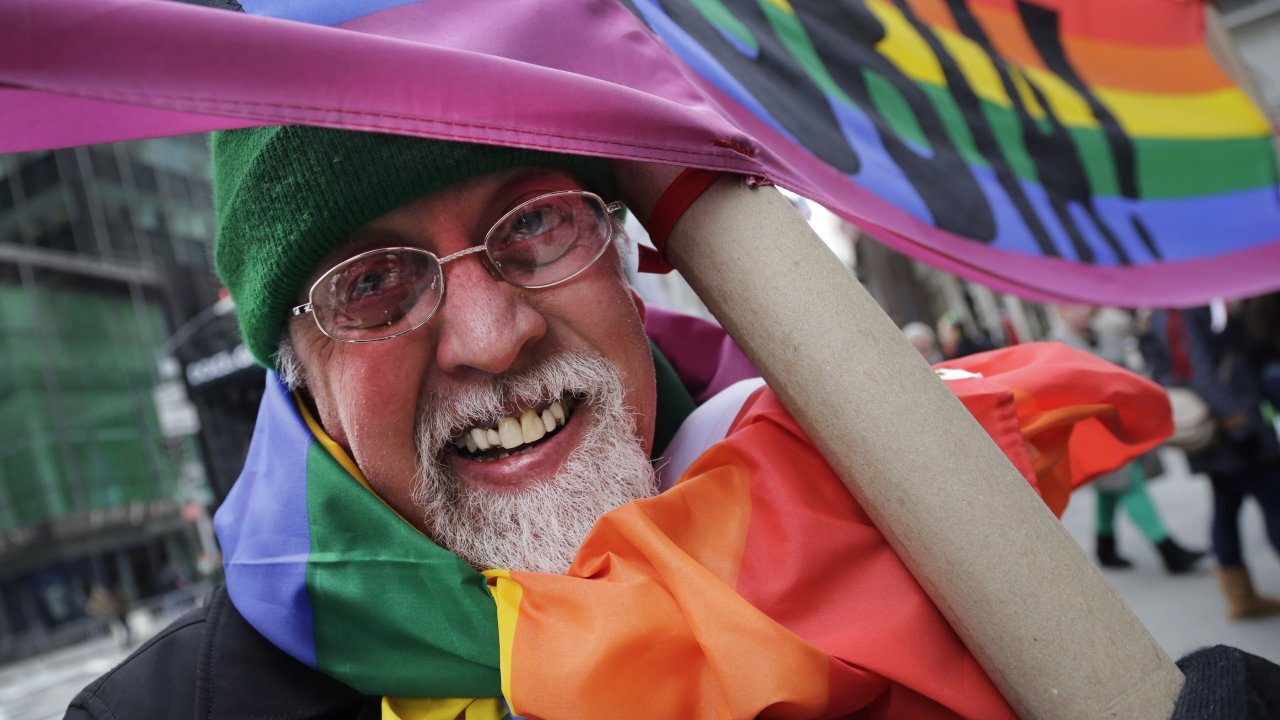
{"x":1053,"y":635}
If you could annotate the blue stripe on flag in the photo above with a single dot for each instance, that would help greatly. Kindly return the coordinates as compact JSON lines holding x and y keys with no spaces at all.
{"x":264,"y":531}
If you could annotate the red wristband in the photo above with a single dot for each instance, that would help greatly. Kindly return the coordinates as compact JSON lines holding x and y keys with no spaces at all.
{"x":675,"y":200}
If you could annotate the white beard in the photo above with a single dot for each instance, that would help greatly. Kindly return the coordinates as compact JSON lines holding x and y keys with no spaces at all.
{"x":538,"y":528}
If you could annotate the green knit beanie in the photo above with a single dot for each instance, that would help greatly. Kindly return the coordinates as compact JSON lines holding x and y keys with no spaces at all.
{"x":286,"y":196}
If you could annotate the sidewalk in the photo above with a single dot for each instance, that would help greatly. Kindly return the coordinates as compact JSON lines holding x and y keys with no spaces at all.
{"x":1185,"y":612}
{"x":40,"y":688}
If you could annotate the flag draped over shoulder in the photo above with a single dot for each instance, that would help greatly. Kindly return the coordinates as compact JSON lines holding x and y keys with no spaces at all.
{"x":756,"y":587}
{"x":1086,"y":150}
{"x":753,"y":595}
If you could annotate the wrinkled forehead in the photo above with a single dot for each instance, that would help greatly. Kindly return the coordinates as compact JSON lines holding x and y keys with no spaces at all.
{"x":469,"y":209}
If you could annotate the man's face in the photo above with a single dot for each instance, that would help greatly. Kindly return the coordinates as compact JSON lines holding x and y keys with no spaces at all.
{"x":404,"y":407}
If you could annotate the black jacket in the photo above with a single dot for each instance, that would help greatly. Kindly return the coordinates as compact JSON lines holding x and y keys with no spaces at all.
{"x":1225,"y":373}
{"x":211,"y":665}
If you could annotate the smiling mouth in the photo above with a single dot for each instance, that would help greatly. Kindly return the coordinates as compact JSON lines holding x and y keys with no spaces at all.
{"x":514,"y":434}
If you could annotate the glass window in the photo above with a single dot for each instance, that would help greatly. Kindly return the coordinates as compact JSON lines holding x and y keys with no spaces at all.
{"x":39,"y":174}
{"x":145,"y":178}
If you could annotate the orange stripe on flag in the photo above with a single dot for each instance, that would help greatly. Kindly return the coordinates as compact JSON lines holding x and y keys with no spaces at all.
{"x":1149,"y":23}
{"x":652,"y":596}
{"x":1185,"y":69}
{"x":1177,"y":69}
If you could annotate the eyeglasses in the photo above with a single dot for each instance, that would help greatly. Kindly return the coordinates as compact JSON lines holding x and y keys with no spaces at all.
{"x":385,"y":293}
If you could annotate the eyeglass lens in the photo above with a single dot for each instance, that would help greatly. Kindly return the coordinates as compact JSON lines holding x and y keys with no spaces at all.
{"x":377,"y":294}
{"x":387,"y":292}
{"x":549,"y":240}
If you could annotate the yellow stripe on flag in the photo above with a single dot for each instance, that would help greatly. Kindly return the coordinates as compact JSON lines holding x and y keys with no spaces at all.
{"x":1028,"y":98}
{"x":904,"y":47}
{"x":507,"y":593}
{"x":443,"y":709}
{"x":1225,"y":113}
{"x":1217,"y":114}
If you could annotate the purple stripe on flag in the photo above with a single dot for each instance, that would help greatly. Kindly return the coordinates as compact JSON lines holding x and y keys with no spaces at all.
{"x":543,"y":94}
{"x":39,"y":121}
{"x":264,"y":532}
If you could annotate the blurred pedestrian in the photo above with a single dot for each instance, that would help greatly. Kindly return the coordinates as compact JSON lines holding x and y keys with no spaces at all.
{"x":1222,"y":366}
{"x":954,"y":341}
{"x":107,"y":608}
{"x":1261,"y":316}
{"x":922,"y":337}
{"x":1103,"y":334}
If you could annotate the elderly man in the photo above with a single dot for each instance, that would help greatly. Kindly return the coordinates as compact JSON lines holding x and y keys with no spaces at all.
{"x":465,"y":383}
{"x":498,"y":394}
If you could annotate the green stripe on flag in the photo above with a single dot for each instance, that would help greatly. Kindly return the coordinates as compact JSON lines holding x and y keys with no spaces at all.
{"x":1178,"y":168}
{"x":394,"y":614}
{"x":1221,"y":166}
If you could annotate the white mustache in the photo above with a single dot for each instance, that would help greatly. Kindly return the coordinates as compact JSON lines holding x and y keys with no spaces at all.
{"x":481,"y":403}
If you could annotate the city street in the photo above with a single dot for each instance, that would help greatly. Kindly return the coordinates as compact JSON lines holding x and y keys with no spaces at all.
{"x":1183,"y":612}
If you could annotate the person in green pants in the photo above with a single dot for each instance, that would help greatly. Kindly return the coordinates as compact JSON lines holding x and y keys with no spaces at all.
{"x":1103,"y":333}
{"x":1127,"y":488}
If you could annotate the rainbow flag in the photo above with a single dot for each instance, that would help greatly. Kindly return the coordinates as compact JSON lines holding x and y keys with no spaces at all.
{"x":308,"y":549}
{"x":735,"y":594}
{"x":1081,"y":150}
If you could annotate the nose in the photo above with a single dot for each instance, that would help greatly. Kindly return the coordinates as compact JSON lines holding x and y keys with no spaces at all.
{"x":484,"y":322}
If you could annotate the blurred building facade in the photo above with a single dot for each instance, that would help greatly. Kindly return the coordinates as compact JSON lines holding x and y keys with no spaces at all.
{"x":103,"y":250}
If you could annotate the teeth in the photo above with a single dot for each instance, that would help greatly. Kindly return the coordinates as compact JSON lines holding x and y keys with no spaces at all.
{"x":531,"y":426}
{"x":509,"y":432}
{"x":512,"y":432}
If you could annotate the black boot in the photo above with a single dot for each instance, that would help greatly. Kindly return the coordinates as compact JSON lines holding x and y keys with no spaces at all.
{"x":1107,"y":556}
{"x":1177,"y":559}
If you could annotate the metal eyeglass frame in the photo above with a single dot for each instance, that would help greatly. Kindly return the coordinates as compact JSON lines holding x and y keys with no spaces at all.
{"x":609,"y":207}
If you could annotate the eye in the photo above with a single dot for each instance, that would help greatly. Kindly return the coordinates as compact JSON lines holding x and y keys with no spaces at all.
{"x":379,"y":289}
{"x":549,"y":239}
{"x":370,"y":278}
{"x":534,"y":221}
